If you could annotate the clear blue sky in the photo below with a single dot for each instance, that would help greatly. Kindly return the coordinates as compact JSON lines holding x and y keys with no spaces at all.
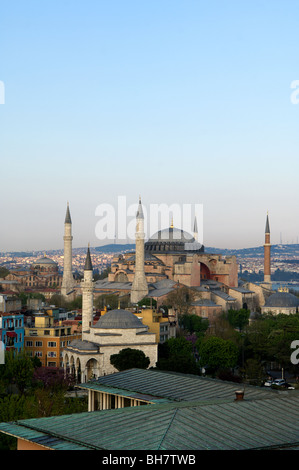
{"x":181,"y":101}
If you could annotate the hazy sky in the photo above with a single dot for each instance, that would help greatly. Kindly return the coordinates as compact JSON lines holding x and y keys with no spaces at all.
{"x":179,"y":101}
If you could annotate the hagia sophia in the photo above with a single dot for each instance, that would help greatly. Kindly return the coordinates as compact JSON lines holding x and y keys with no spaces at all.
{"x":172,"y":258}
{"x":168,"y":260}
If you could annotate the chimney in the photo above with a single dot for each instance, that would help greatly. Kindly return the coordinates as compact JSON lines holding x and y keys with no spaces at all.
{"x":239,"y":395}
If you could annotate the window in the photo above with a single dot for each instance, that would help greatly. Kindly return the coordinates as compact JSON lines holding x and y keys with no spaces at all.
{"x":29,"y":344}
{"x":38,"y":344}
{"x":51,"y":354}
{"x":51,"y":344}
{"x":39,"y":353}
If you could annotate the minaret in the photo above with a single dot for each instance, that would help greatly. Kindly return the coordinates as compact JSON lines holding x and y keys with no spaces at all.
{"x":267,"y":254}
{"x":87,"y":295}
{"x":139,"y":287}
{"x":67,"y":280}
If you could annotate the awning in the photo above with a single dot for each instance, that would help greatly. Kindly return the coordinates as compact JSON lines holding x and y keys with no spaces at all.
{"x":11,"y":334}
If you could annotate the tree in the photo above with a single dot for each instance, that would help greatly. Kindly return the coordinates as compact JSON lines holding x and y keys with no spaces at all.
{"x":17,"y":370}
{"x":268,"y":339}
{"x":176,"y":354}
{"x":194,"y":324}
{"x":52,"y":378}
{"x":238,"y":318}
{"x":181,"y":299}
{"x":3,"y":272}
{"x":129,"y":358}
{"x":217,"y":353}
{"x":108,"y":300}
{"x":147,"y":302}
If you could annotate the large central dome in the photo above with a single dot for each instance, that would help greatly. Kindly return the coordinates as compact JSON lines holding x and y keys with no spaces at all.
{"x":172,"y":239}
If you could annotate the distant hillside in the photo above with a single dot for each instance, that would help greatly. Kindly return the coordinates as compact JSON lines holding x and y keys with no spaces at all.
{"x":258,"y":251}
{"x":276,"y":250}
{"x":115,"y":248}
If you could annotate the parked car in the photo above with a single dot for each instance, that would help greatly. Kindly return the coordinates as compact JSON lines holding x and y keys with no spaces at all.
{"x":268,"y":382}
{"x":279,"y":382}
{"x":283,"y":384}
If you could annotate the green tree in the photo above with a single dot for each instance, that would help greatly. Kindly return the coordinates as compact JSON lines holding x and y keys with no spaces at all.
{"x":108,"y":300}
{"x":194,"y":324}
{"x":217,"y":353}
{"x":17,"y":370}
{"x":129,"y":358}
{"x":254,"y":372}
{"x":238,"y":318}
{"x":269,"y":339}
{"x":147,"y":302}
{"x":3,"y":272}
{"x":176,"y":354}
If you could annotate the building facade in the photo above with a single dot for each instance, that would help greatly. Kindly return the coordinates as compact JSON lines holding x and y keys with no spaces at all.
{"x":47,"y":338}
{"x":12,"y":331}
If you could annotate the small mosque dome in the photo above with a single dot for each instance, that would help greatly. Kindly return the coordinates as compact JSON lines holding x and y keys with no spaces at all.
{"x":118,"y":319}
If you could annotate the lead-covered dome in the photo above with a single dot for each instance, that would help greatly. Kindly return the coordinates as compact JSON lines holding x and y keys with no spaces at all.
{"x":282,"y":299}
{"x":172,"y":239}
{"x":118,"y":319}
{"x":45,"y":264}
{"x":45,"y":261}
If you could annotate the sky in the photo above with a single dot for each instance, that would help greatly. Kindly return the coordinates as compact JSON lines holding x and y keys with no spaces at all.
{"x":181,"y":102}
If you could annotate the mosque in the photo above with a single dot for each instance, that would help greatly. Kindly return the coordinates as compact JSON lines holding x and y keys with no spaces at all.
{"x":169,"y":259}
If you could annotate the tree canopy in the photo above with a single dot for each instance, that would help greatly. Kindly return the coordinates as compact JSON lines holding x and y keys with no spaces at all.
{"x":217,"y":353}
{"x":129,"y":358}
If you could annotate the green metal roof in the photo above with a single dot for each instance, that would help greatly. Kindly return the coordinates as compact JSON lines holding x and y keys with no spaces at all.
{"x":222,"y":425}
{"x":172,"y":386}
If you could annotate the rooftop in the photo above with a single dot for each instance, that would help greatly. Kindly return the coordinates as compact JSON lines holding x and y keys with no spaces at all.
{"x":212,"y":421}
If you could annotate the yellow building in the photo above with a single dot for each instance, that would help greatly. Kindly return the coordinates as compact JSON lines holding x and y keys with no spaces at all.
{"x":47,"y":339}
{"x":157,"y":323}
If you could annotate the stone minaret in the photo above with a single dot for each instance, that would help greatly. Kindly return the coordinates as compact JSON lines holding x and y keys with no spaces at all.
{"x":267,"y":254}
{"x":67,"y":280}
{"x":139,"y":287}
{"x":87,"y":295}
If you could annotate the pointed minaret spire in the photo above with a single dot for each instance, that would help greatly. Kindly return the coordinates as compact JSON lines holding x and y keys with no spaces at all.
{"x":267,"y":230}
{"x":88,"y":263}
{"x":67,"y":280}
{"x":267,"y":254}
{"x":87,"y":296}
{"x":139,"y":214}
{"x":139,"y":286}
{"x":68,"y":219}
